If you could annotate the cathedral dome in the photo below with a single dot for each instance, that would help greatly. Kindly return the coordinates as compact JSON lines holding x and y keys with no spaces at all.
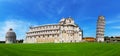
{"x":10,"y":36}
{"x":69,"y":21}
{"x":63,"y":19}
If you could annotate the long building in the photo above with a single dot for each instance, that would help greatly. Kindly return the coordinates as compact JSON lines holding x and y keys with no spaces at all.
{"x":64,"y":32}
{"x":112,"y":39}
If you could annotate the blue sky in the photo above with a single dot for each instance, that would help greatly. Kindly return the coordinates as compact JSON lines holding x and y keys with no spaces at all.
{"x":20,"y":14}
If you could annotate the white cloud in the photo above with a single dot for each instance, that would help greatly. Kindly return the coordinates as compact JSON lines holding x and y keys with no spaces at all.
{"x":112,"y":33}
{"x":112,"y":21}
{"x":61,"y":10}
{"x":19,"y":26}
{"x":116,"y":27}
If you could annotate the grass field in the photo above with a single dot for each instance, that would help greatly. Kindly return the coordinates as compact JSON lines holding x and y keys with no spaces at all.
{"x":61,"y":49}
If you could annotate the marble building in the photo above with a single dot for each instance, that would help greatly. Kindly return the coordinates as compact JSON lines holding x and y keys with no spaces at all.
{"x":63,"y":32}
{"x":10,"y":36}
{"x":100,"y":29}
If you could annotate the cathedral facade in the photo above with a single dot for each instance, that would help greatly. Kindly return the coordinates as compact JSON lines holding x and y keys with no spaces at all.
{"x":64,"y":32}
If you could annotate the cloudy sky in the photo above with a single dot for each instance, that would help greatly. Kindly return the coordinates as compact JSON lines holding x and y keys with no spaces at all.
{"x":20,"y":14}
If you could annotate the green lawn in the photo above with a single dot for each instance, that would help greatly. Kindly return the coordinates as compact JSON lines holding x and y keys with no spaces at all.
{"x":61,"y":49}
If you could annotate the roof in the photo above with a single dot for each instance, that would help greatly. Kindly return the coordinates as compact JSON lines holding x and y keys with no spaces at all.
{"x":101,"y":17}
{"x":10,"y":34}
{"x":45,"y":25}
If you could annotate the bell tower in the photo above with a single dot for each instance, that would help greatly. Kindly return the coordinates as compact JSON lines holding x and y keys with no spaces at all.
{"x":100,"y":29}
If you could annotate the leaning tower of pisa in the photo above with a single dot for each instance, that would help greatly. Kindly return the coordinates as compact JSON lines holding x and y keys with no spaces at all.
{"x":100,"y":29}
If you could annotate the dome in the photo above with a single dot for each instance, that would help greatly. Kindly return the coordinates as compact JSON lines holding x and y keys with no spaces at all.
{"x":63,"y":19}
{"x":69,"y":21}
{"x":10,"y":36}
